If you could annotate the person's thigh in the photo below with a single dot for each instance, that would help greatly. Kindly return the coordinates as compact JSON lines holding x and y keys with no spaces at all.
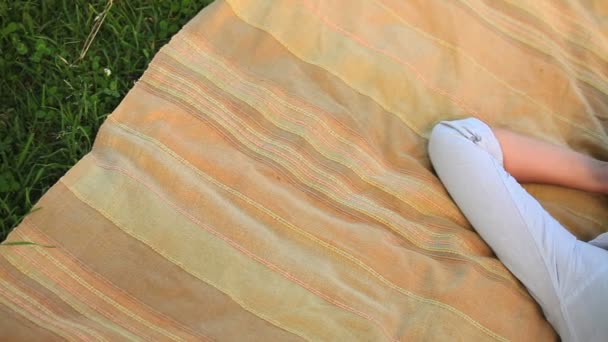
{"x":543,"y":255}
{"x":585,"y":292}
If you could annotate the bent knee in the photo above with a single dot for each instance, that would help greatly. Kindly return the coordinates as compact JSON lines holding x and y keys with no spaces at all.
{"x":447,"y":137}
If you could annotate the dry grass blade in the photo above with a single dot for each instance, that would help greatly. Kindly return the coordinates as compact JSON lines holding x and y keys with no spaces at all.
{"x":98,"y":22}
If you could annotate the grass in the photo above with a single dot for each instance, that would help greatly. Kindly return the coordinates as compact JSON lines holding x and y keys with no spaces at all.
{"x":51,"y":101}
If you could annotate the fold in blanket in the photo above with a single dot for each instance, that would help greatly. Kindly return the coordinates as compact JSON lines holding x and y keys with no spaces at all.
{"x":267,"y":178}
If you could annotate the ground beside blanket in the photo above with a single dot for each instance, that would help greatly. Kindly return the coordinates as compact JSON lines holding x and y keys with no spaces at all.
{"x":51,"y":109}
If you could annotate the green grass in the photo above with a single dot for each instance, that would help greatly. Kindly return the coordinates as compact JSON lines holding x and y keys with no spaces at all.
{"x":51,"y":102}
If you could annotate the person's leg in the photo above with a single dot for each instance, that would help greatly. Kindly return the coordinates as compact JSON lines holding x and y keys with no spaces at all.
{"x":552,"y":264}
{"x":600,"y":241}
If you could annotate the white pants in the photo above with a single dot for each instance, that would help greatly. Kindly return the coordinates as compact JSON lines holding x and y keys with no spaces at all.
{"x":567,"y":277}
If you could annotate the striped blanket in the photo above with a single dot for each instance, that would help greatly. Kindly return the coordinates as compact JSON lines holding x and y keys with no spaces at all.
{"x":267,"y":178}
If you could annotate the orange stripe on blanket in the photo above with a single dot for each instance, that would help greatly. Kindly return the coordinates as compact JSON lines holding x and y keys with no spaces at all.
{"x":184,"y":49}
{"x":253,"y":256}
{"x":408,"y":190}
{"x":28,"y":264}
{"x":203,"y":231}
{"x":292,"y":161}
{"x":530,"y":36}
{"x":56,"y":268}
{"x":510,"y":27}
{"x":107,"y":291}
{"x":314,"y":129}
{"x":471,"y":106}
{"x":40,"y":311}
{"x":512,"y":90}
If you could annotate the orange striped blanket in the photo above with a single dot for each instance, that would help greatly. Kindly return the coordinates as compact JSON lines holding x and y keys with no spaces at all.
{"x":267,"y":178}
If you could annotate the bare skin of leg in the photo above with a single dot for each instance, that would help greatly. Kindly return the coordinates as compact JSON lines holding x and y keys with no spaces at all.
{"x":533,"y":161}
